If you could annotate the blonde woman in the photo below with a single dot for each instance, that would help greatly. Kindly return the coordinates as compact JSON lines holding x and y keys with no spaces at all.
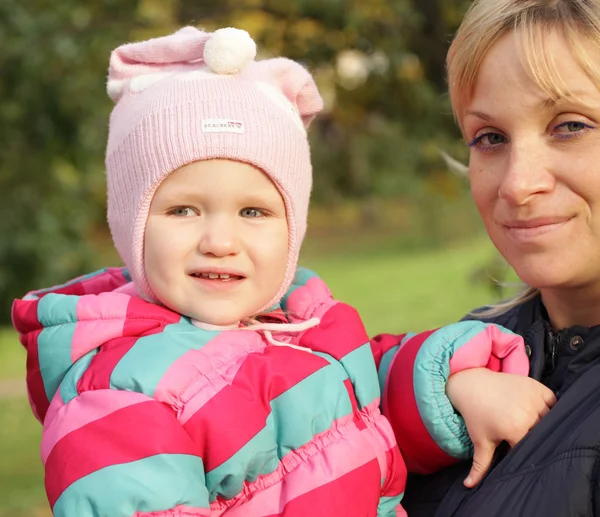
{"x":524,"y":79}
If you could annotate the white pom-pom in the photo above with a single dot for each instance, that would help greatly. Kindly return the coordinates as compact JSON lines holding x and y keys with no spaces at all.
{"x":229,"y":50}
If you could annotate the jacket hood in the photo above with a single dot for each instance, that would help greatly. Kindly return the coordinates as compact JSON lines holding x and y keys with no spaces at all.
{"x":60,"y":325}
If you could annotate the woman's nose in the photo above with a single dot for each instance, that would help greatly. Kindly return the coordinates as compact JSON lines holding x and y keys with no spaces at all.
{"x":525,"y":176}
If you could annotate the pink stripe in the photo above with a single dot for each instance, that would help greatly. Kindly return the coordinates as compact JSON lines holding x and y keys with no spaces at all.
{"x":100,"y":318}
{"x":345,"y":496}
{"x":298,"y":474}
{"x":492,"y":349}
{"x":212,"y":368}
{"x":129,"y":289}
{"x":385,"y":433}
{"x":311,"y":300}
{"x":178,"y":511}
{"x":473,"y":354}
{"x":54,"y":410}
{"x":129,"y":434}
{"x":87,"y":407}
{"x":104,"y":282}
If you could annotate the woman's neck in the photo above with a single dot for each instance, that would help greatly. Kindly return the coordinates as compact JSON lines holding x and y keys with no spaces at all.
{"x":568,"y":307}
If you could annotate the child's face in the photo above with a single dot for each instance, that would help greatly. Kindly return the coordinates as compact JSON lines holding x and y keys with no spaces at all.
{"x":216,"y":241}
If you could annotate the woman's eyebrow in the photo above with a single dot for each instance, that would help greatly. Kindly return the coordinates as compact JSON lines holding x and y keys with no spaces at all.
{"x":478,"y":114}
{"x":574,"y":96}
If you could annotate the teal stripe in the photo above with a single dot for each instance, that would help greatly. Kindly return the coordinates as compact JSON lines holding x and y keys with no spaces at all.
{"x":301,"y":278}
{"x":57,"y":309}
{"x":302,"y":411}
{"x":296,"y":417}
{"x":142,"y":368}
{"x":407,"y":336}
{"x":387,"y":506}
{"x":256,"y":458}
{"x":303,"y":275}
{"x":68,"y":387}
{"x":152,"y":484}
{"x":362,"y":372}
{"x":430,"y":375}
{"x":386,"y":360}
{"x":57,"y":313}
{"x":384,"y":366}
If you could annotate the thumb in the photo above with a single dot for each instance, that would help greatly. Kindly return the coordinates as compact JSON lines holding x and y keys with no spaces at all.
{"x":482,"y":460}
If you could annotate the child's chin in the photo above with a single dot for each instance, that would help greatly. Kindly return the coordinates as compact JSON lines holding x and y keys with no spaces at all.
{"x":219,"y":317}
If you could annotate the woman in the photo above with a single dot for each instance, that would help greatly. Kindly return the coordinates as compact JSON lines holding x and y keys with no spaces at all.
{"x":524,"y":78}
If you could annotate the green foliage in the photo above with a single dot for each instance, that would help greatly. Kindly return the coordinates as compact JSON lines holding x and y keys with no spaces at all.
{"x":53,"y":113}
{"x":379,"y":65}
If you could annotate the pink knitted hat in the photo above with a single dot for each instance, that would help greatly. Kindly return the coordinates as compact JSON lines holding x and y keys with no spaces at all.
{"x":197,"y":96}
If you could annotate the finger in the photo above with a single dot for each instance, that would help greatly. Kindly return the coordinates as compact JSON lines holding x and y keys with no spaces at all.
{"x":482,"y":460}
{"x":513,"y":441}
{"x":543,"y":411}
{"x":549,"y":397}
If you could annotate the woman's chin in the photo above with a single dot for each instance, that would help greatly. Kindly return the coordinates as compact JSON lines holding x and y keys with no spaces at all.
{"x":541,"y":277}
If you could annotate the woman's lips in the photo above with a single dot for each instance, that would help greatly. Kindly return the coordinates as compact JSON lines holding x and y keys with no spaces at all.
{"x":529,"y":230}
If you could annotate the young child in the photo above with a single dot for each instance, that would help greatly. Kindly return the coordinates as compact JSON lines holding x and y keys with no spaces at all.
{"x":211,"y":376}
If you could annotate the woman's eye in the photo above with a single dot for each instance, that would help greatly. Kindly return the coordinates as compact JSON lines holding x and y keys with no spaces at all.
{"x":573,"y":126}
{"x":493,"y":139}
{"x":251,"y":212}
{"x":488,"y":140}
{"x":182,"y":211}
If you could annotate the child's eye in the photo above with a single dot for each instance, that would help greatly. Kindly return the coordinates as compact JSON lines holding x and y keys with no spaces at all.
{"x":182,"y":211}
{"x":252,"y":212}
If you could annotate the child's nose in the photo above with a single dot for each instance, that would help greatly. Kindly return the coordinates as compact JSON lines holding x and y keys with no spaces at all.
{"x":219,"y":237}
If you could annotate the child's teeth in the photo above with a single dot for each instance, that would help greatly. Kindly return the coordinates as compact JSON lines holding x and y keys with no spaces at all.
{"x":214,"y":276}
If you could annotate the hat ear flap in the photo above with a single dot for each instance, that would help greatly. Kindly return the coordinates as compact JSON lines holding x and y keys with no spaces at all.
{"x":296,"y":84}
{"x":156,"y":57}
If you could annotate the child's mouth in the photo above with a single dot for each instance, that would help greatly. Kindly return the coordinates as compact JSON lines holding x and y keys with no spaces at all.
{"x":221,"y":277}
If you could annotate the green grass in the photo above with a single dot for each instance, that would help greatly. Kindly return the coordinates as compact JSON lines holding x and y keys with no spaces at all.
{"x":394,"y":291}
{"x":12,"y":355}
{"x":410,"y":292}
{"x":21,"y":474}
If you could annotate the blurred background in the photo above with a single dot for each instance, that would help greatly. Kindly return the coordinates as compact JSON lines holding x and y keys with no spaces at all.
{"x":392,"y":229}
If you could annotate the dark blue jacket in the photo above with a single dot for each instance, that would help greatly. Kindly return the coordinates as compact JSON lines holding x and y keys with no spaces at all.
{"x":555,"y":469}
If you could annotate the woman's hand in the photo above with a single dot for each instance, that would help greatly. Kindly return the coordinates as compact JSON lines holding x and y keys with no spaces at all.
{"x":496,"y":407}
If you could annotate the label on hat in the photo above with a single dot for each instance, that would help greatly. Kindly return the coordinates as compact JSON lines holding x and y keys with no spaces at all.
{"x":222,"y":125}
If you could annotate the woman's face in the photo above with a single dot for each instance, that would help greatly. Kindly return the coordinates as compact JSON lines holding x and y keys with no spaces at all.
{"x":535,"y":166}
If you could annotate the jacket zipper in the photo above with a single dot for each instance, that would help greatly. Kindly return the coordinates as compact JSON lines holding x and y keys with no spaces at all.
{"x":553,"y":340}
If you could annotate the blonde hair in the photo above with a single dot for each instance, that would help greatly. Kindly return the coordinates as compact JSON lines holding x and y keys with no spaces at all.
{"x":496,"y":309}
{"x":530,"y":21}
{"x":486,"y":21}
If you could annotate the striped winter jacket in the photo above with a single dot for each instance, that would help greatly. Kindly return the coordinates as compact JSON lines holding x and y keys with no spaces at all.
{"x":145,"y":414}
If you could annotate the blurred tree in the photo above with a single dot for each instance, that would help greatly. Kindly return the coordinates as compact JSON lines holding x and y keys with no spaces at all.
{"x":382,"y":110}
{"x":53,"y":124}
{"x":438,"y":19}
{"x":379,"y":65}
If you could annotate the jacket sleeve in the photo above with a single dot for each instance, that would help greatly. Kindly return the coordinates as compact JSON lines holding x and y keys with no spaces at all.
{"x":413,"y":371}
{"x":120,"y":454}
